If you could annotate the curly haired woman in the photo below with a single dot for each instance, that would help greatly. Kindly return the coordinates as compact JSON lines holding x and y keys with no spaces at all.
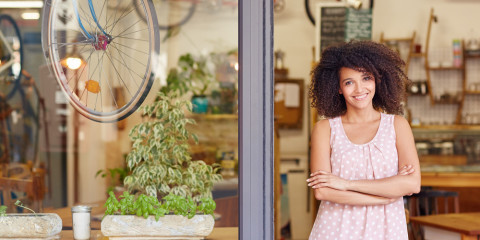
{"x":363,"y":157}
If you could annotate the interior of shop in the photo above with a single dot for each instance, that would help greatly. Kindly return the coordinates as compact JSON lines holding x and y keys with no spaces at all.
{"x":71,"y":137}
{"x":442,"y":106}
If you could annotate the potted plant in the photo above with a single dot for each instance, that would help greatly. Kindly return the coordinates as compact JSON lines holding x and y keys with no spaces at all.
{"x":116,"y":177}
{"x":29,"y":225}
{"x":194,"y":74}
{"x":167,"y":182}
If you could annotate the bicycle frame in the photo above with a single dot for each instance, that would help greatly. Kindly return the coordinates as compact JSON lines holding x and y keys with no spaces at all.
{"x":94,"y":16}
{"x":9,"y":52}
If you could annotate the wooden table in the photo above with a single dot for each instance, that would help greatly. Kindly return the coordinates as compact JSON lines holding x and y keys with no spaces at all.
{"x":225,"y":233}
{"x":461,"y":226}
{"x":451,"y":179}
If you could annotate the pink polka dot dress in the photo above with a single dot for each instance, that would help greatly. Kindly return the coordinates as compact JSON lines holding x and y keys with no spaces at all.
{"x":374,"y":160}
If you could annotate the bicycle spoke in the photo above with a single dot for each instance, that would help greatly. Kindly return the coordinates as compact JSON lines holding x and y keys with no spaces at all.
{"x":118,"y":74}
{"x":120,"y":18}
{"x":129,"y":69}
{"x":87,"y":19}
{"x":137,"y":39}
{"x":100,"y":60}
{"x":101,"y":12}
{"x":129,"y":56}
{"x":108,"y":82}
{"x":68,"y":82}
{"x":145,"y":29}
{"x":132,"y":48}
{"x":130,"y":27}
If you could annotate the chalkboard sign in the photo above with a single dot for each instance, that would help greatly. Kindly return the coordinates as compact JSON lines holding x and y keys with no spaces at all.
{"x":332,"y":26}
{"x":338,"y":23}
{"x":358,"y":24}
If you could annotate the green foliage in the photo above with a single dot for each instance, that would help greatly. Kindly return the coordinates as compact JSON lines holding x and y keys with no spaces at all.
{"x":20,"y":204}
{"x":192,"y":74}
{"x":3,"y":211}
{"x":145,"y":206}
{"x":117,"y":175}
{"x":160,"y":160}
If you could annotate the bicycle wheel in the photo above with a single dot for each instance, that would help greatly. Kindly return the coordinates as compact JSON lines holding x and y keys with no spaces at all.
{"x":171,"y":13}
{"x":112,"y":48}
{"x":10,"y":76}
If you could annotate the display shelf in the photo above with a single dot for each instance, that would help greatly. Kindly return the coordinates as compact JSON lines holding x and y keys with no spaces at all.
{"x":455,"y":127}
{"x":469,"y":92}
{"x":415,"y":54}
{"x":447,"y":68}
{"x":215,"y":116}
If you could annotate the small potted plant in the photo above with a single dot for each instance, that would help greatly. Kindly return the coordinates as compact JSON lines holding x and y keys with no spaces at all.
{"x":28,"y":225}
{"x":194,"y":74}
{"x":172,"y":191}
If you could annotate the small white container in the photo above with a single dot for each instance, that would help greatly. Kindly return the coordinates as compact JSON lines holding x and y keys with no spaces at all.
{"x":81,"y":222}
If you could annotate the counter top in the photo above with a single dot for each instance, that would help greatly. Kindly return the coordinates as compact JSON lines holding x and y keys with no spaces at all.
{"x":451,"y":179}
{"x":464,"y":223}
{"x":222,"y":233}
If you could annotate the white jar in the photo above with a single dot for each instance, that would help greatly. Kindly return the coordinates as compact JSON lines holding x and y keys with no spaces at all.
{"x":81,"y":222}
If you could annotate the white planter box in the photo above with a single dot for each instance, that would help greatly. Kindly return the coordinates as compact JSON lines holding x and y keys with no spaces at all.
{"x":30,"y":226}
{"x":167,"y":227}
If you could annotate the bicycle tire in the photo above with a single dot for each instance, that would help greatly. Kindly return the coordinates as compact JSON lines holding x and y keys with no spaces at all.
{"x":127,"y":51}
{"x":15,"y":30}
{"x":186,"y":12}
{"x":309,"y":12}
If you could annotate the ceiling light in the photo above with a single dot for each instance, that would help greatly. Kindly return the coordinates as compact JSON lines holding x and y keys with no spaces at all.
{"x":31,"y":15}
{"x":21,"y":4}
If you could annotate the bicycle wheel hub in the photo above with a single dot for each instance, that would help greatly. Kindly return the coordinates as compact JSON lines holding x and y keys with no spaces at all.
{"x":101,"y":43}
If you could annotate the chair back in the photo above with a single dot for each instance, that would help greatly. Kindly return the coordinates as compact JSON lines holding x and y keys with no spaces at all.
{"x":21,"y":182}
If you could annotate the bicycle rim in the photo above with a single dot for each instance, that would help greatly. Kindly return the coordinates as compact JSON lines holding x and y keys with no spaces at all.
{"x":10,"y":77}
{"x":116,"y":71}
{"x":171,"y":13}
{"x":309,"y":12}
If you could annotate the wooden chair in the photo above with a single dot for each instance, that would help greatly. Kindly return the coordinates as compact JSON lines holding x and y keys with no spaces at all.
{"x":227,"y":207}
{"x":426,"y":203}
{"x":27,"y":183}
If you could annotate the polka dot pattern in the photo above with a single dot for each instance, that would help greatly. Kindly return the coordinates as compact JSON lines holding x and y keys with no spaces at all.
{"x":374,"y":160}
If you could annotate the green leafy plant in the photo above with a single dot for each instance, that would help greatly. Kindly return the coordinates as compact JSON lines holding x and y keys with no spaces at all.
{"x":3,"y":211}
{"x":192,"y":73}
{"x":143,"y":205}
{"x":117,"y":175}
{"x":20,"y":204}
{"x":160,"y":160}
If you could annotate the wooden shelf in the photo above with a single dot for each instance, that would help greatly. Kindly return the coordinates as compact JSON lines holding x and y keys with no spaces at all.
{"x":446,"y":102}
{"x":446,"y":68}
{"x":215,"y":116}
{"x":447,"y":127}
{"x":472,"y":56}
{"x":417,"y":54}
{"x":468,"y":92}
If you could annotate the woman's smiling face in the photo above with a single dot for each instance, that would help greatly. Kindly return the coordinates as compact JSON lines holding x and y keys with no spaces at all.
{"x":358,"y":88}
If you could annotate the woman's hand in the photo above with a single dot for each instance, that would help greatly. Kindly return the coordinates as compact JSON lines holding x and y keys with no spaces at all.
{"x":406,"y":170}
{"x":320,"y":179}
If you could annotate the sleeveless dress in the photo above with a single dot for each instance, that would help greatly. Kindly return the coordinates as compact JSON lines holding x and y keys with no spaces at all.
{"x":373,"y":160}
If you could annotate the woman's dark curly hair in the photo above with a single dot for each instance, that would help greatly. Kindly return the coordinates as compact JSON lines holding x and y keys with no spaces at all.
{"x":384,"y":64}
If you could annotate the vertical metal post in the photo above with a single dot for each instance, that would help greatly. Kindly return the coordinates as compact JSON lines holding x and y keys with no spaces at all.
{"x":256,"y":119}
